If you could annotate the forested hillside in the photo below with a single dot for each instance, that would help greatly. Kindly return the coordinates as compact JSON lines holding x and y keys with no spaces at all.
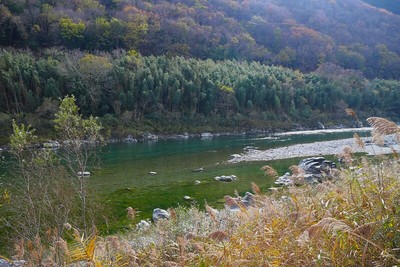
{"x":299,"y":34}
{"x":177,"y":94}
{"x":195,"y":65}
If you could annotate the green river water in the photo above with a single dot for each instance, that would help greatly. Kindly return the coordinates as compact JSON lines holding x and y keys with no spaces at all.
{"x":124,"y":180}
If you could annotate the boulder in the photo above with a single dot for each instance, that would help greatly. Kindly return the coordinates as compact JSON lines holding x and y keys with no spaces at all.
{"x":315,"y":169}
{"x":187,"y":198}
{"x":316,"y":165}
{"x":238,"y":203}
{"x":206,"y":135}
{"x":153,"y":173}
{"x":235,"y":156}
{"x":150,"y":136}
{"x":143,"y":225}
{"x":51,"y":144}
{"x":17,"y":263}
{"x":84,"y":174}
{"x":248,"y":199}
{"x":199,"y":169}
{"x":250,"y":148}
{"x":130,"y":139}
{"x":285,"y":179}
{"x":160,"y":214}
{"x":225,"y":178}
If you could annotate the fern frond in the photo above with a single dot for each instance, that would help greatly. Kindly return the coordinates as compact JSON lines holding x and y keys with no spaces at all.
{"x":82,"y":250}
{"x":121,"y":261}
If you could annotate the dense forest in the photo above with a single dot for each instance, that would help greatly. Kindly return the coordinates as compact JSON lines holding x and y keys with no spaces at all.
{"x":196,"y":65}
{"x":170,"y":94}
{"x":299,"y":34}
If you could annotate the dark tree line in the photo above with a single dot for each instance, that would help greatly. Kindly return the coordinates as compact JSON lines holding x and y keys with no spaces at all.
{"x":133,"y":88}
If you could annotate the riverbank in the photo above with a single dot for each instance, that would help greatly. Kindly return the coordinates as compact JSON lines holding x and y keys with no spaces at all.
{"x":332,"y":147}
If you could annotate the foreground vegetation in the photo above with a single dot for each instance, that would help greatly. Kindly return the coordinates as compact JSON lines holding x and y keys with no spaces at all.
{"x":351,"y":220}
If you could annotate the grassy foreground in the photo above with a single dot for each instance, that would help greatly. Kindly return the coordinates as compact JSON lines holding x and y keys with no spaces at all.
{"x":351,"y":221}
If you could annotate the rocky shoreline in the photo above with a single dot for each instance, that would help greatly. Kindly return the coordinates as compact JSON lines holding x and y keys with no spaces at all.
{"x":332,"y":147}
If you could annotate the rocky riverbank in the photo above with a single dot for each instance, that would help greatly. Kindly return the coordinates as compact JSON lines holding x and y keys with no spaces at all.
{"x":332,"y":147}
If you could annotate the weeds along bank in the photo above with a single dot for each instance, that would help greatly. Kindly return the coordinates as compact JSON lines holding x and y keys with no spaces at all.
{"x":353,"y":221}
{"x":350,"y":221}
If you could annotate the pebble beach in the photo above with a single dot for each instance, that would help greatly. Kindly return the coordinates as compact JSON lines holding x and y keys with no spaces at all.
{"x":332,"y":147}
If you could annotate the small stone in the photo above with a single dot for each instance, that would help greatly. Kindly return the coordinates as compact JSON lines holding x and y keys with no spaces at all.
{"x":159,"y":214}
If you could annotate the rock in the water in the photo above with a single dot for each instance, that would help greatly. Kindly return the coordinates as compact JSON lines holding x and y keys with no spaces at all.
{"x":129,"y":138}
{"x":160,"y":214}
{"x":206,"y":135}
{"x":226,"y":178}
{"x":250,"y":148}
{"x":85,"y":174}
{"x":235,"y":156}
{"x":150,"y":136}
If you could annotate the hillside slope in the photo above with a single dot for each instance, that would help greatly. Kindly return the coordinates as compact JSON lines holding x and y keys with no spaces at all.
{"x":294,"y":33}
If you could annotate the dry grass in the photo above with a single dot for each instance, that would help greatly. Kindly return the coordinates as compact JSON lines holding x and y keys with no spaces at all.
{"x":269,"y":171}
{"x":353,"y":221}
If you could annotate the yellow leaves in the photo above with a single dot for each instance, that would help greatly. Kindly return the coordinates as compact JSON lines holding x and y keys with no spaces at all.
{"x":5,"y":198}
{"x":226,"y":88}
{"x":132,"y":53}
{"x":83,"y":249}
{"x":93,"y":64}
{"x":71,"y":30}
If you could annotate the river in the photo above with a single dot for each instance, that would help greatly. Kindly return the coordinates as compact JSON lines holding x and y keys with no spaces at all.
{"x":124,"y":179}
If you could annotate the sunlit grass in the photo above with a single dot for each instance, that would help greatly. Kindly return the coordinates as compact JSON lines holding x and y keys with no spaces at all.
{"x":352,"y":221}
